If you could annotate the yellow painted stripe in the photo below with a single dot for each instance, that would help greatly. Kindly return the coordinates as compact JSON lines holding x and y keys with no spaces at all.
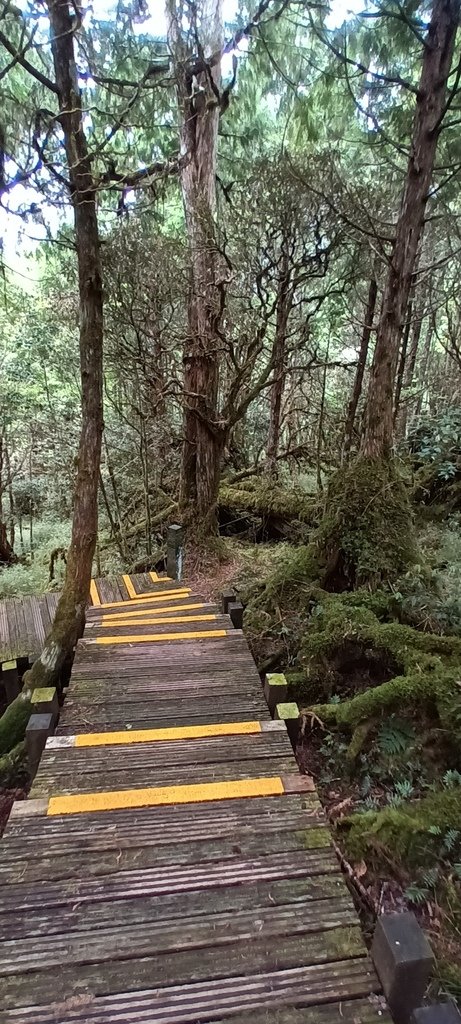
{"x":154,"y":577}
{"x":94,"y":593}
{"x":154,"y":595}
{"x":121,"y":616}
{"x":134,"y":638}
{"x":197,"y":793}
{"x":129,"y":586}
{"x":154,"y":620}
{"x":185,"y":732}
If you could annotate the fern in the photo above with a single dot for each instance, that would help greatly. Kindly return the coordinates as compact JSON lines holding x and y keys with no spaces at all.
{"x":450,"y":839}
{"x":416,"y":894}
{"x":394,"y":736}
{"x":430,"y":877}
{"x":451,"y":779}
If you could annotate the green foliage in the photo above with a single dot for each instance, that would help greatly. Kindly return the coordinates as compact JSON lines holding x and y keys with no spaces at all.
{"x":394,"y":735}
{"x":366,"y":537}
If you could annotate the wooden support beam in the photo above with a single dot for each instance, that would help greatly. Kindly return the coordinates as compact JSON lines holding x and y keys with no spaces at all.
{"x":275,"y":690}
{"x":175,"y":552}
{"x":38,"y":729}
{"x":289,"y":713}
{"x":45,"y":701}
{"x":403,"y":959}
{"x":235,"y":610}
{"x":10,"y":680}
{"x":227,"y":597}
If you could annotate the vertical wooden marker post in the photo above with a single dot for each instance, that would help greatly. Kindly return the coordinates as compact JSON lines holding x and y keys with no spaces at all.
{"x":175,"y":552}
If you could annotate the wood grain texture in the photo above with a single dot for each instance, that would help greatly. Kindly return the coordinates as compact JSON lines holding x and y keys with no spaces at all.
{"x":185,"y":872}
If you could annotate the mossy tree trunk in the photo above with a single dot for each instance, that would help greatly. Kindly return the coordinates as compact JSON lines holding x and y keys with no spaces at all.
{"x":70,"y":614}
{"x":361,"y":364}
{"x":430,"y":107}
{"x":197,"y":87}
{"x":360,"y":539}
{"x":283,"y":309}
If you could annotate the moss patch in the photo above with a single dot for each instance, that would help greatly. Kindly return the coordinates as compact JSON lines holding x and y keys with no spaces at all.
{"x":366,"y":536}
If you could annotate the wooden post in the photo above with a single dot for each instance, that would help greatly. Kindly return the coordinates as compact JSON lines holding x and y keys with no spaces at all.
{"x":10,"y":680}
{"x":437,"y":1013}
{"x":235,"y":610}
{"x":45,"y":702}
{"x":289,"y":713}
{"x":227,"y":597}
{"x":403,"y":959}
{"x":38,"y":729}
{"x":175,"y":552}
{"x":275,"y":690}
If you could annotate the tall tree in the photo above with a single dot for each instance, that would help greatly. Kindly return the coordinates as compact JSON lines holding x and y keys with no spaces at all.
{"x":70,"y":615}
{"x":431,"y":102}
{"x":197,"y":71}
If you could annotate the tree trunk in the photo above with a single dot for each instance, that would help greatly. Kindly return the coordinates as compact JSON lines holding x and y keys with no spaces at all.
{"x":199,"y":117}
{"x":284,"y":302}
{"x":409,"y":372}
{"x":70,"y":614}
{"x":7,"y":555}
{"x":362,"y":362}
{"x":423,"y":369}
{"x":430,"y":103}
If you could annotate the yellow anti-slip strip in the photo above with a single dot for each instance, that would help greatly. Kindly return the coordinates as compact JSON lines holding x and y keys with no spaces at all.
{"x":94,"y":593}
{"x":81,"y":803}
{"x":129,"y":586}
{"x":154,"y":595}
{"x":119,"y":617}
{"x":185,"y":732}
{"x":154,"y":619}
{"x":135,"y":638}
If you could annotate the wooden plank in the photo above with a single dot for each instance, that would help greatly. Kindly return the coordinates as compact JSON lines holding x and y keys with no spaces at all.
{"x":35,"y":605}
{"x":155,"y":795}
{"x":78,"y":917}
{"x":15,"y":639}
{"x":5,"y":643}
{"x":131,"y":1008}
{"x":94,"y":593}
{"x":163,"y":936}
{"x":204,"y":985}
{"x":135,"y":638}
{"x":47,"y":864}
{"x":156,"y":735}
{"x":159,"y":594}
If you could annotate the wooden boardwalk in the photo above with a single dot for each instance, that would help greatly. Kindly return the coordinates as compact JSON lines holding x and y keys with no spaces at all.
{"x":25,"y":621}
{"x":171,"y":864}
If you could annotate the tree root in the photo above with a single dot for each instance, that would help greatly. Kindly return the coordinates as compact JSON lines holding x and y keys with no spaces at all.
{"x":14,"y":720}
{"x":14,"y":769}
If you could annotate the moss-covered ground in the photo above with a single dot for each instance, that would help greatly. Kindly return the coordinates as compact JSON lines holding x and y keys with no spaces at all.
{"x":377,"y":673}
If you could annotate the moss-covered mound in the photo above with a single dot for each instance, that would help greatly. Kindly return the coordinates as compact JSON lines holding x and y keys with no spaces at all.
{"x":406,"y":669}
{"x":410,"y":834}
{"x":366,"y":537}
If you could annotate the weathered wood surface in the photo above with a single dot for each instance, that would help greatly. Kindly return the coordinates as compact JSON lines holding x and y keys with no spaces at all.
{"x":25,"y":621}
{"x":202,"y":911}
